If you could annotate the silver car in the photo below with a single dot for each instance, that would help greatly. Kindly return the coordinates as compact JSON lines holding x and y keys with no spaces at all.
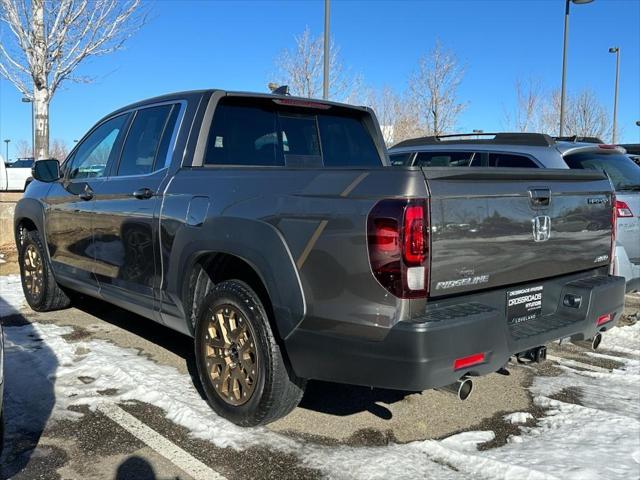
{"x":534,"y":150}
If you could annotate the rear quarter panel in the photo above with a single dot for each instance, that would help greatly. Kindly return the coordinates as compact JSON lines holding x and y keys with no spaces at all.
{"x":303,"y":230}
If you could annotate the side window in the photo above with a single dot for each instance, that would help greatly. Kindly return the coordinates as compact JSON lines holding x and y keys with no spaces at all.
{"x":401,"y":159}
{"x":244,"y":135}
{"x":141,"y":153}
{"x":92,"y":155}
{"x":443,"y":159}
{"x":507,"y":160}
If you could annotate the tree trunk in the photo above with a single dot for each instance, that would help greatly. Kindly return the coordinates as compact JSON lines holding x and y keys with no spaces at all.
{"x":41,"y":96}
{"x":41,"y":123}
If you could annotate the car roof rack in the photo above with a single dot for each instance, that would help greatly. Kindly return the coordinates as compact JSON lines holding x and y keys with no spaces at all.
{"x":575,"y":139}
{"x":507,"y":138}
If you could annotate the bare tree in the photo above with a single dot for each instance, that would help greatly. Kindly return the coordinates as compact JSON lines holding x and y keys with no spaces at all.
{"x":433,"y":90}
{"x":538,"y":110}
{"x":527,"y":115}
{"x":587,"y":117}
{"x":58,"y":149}
{"x":397,"y":117}
{"x":23,"y":149}
{"x":301,"y":69}
{"x":49,"y":38}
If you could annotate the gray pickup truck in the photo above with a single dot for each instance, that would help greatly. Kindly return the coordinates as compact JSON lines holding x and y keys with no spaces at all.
{"x":273,"y":230}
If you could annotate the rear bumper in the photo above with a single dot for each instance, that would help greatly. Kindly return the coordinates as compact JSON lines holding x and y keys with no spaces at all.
{"x":420,"y":353}
{"x":627,"y":268}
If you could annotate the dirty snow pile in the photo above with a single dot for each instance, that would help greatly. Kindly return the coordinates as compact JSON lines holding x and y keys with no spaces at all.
{"x":596,"y":437}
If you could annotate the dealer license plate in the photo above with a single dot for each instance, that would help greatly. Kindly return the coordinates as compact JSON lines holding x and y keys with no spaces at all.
{"x":524,"y":304}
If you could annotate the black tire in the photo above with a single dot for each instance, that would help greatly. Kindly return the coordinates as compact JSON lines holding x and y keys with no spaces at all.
{"x":276,"y":389}
{"x":49,"y":295}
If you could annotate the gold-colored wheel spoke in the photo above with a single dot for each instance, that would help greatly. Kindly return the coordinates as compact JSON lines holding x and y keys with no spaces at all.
{"x":231,"y":356}
{"x":33,"y":271}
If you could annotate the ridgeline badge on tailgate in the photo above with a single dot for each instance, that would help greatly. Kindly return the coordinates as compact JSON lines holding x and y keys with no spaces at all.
{"x":541,"y":228}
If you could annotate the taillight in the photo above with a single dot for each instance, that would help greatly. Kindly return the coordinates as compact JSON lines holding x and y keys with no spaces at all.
{"x":414,"y":248}
{"x":602,"y":319}
{"x":398,"y":242}
{"x":623,"y":210}
{"x":614,"y":227}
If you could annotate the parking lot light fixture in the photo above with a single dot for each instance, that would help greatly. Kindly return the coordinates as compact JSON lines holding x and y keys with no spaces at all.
{"x":564,"y":59}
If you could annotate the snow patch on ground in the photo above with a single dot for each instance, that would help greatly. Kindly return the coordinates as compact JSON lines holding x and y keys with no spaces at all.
{"x":11,"y":296}
{"x":46,"y":374}
{"x":623,"y":339}
{"x":518,"y":418}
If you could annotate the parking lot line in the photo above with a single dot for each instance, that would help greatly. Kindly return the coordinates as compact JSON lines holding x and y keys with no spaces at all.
{"x":163,"y":446}
{"x":574,"y":363}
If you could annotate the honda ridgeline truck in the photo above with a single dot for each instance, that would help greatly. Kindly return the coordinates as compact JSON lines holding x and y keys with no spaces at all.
{"x":273,"y":230}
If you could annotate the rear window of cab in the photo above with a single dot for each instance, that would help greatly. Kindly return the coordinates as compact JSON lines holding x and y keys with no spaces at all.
{"x":261,"y":132}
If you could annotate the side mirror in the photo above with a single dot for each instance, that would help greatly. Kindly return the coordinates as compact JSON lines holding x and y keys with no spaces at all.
{"x":46,"y":170}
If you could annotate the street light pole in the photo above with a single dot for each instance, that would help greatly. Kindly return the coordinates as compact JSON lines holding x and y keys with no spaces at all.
{"x":563,"y":88}
{"x":6,"y":140}
{"x":325,"y":74}
{"x":614,"y":133}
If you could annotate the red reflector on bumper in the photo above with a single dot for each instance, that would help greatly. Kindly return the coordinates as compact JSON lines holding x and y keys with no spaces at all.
{"x":465,"y":362}
{"x":603,"y":319}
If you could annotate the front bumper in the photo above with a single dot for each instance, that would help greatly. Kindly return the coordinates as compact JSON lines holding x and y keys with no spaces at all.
{"x":420,"y":353}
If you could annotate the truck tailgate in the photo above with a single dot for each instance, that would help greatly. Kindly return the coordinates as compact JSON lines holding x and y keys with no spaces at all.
{"x":493,"y":227}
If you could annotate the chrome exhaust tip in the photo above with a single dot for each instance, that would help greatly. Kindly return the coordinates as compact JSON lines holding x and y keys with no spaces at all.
{"x":461,"y":389}
{"x":591,"y":343}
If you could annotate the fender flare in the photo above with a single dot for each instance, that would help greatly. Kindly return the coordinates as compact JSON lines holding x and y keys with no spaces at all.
{"x":257,"y":243}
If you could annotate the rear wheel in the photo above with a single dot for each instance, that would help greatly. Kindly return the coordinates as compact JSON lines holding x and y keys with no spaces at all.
{"x":40,"y":289}
{"x":240,"y":364}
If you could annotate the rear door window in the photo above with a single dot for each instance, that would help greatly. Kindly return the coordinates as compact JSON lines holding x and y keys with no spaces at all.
{"x":142,"y":152}
{"x":623,"y":172}
{"x":444,"y":159}
{"x":509,"y":160}
{"x":259,"y":132}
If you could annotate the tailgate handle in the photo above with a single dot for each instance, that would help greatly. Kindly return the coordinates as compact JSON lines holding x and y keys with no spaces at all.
{"x":540,"y":197}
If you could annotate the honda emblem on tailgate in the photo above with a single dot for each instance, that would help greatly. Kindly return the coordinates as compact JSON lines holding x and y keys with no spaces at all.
{"x":541,"y":228}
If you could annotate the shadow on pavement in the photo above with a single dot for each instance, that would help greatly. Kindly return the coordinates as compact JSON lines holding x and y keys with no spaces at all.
{"x":135,"y":468}
{"x":338,"y":399}
{"x":331,"y":398}
{"x":29,"y":372}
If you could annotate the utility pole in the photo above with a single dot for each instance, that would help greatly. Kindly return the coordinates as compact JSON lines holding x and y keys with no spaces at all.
{"x":6,"y":140}
{"x":325,"y":74}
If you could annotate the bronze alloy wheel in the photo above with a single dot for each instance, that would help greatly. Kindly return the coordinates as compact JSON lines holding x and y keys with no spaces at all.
{"x":230,"y":355}
{"x":33,"y":271}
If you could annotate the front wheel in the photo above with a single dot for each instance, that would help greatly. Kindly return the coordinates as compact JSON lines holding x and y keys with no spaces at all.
{"x":240,"y":364}
{"x":40,"y":289}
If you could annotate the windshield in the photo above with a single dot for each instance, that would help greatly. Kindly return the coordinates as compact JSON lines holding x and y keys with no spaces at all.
{"x":624,"y":174}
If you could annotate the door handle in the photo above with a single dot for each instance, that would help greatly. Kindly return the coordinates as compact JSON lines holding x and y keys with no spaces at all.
{"x":143,"y":193}
{"x":87,"y":193}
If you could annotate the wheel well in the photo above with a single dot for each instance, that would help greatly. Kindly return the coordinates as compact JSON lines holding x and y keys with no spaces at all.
{"x":24,"y":225}
{"x":213,"y":268}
